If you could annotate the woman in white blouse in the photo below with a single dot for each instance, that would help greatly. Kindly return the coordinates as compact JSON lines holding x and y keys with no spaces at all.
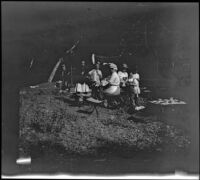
{"x":113,"y":81}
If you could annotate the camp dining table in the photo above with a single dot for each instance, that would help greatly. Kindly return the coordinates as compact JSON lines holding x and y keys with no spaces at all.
{"x":93,"y":103}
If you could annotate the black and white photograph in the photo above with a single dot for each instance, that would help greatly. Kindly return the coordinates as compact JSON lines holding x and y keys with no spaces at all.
{"x":100,"y":89}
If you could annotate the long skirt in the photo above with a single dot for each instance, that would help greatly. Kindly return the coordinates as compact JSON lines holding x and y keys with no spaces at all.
{"x":112,"y":91}
{"x":82,"y":88}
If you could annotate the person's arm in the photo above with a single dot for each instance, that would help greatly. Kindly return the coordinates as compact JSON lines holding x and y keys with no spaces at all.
{"x":114,"y":80}
{"x":100,"y":74}
{"x":90,"y":72}
{"x":120,"y":75}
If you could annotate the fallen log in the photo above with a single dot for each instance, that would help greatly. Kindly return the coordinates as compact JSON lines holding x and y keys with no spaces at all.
{"x":54,"y":70}
{"x":59,"y":62}
{"x":31,"y":64}
{"x":71,"y":49}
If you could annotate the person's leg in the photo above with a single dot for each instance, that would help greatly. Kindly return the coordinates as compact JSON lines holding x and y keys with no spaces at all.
{"x":105,"y":103}
{"x":93,"y":91}
{"x":101,"y":94}
{"x":79,"y":92}
{"x":125,"y":96}
{"x":132,"y":96}
{"x":136,"y":100}
{"x":63,"y":86}
{"x":97,"y":92}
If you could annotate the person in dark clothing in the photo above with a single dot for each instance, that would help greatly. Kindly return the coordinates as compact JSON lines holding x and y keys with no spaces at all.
{"x":95,"y":81}
{"x":63,"y":77}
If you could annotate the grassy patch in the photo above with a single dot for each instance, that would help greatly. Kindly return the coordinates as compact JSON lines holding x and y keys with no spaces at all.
{"x":49,"y":121}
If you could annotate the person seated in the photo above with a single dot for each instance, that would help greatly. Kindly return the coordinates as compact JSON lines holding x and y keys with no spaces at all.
{"x":95,"y":77}
{"x":113,"y":81}
{"x":113,"y":84}
{"x":82,"y":87}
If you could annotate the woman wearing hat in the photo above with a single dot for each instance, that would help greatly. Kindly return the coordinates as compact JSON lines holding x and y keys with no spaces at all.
{"x":113,"y":81}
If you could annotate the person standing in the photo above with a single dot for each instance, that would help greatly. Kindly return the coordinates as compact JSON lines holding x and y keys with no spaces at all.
{"x":123,"y":75}
{"x":95,"y":77}
{"x":63,"y":76}
{"x":136,"y":75}
{"x":134,"y":89}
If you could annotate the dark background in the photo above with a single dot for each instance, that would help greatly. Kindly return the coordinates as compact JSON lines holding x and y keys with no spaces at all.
{"x":149,"y":33}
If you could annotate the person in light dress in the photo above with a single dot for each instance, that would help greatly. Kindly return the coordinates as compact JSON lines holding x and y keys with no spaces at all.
{"x":134,"y":88}
{"x":82,"y":87}
{"x":111,"y":86}
{"x":113,"y":81}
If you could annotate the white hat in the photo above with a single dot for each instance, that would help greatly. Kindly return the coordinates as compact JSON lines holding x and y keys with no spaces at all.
{"x":113,"y":66}
{"x":124,"y":66}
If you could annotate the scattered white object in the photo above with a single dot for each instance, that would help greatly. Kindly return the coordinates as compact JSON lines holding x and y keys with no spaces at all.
{"x":24,"y":160}
{"x":137,"y":108}
{"x":22,"y":92}
{"x":146,"y":91}
{"x":31,"y":63}
{"x":34,"y":86}
{"x":112,"y":117}
{"x":165,"y":102}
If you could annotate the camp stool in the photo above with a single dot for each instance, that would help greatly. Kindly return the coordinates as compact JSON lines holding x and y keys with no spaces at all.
{"x":94,"y":103}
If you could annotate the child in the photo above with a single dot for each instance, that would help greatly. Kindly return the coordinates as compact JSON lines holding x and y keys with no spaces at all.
{"x":134,"y":89}
{"x":123,"y":75}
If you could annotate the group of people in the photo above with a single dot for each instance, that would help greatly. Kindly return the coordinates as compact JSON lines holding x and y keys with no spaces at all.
{"x":93,"y":82}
